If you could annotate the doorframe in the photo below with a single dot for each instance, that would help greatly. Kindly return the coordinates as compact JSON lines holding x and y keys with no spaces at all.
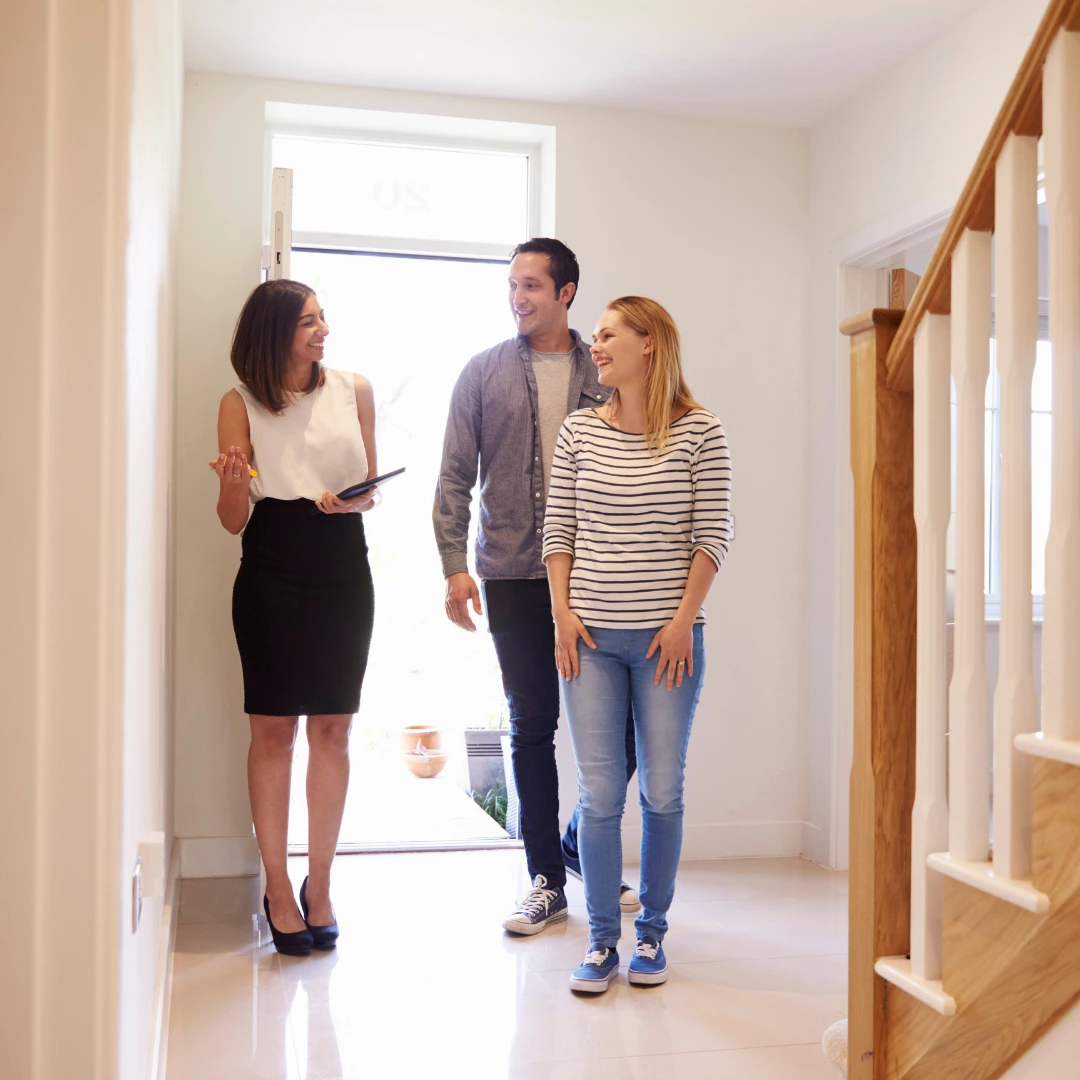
{"x":859,"y":256}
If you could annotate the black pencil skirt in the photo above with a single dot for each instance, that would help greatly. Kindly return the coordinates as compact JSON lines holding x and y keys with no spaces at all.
{"x":303,"y":607}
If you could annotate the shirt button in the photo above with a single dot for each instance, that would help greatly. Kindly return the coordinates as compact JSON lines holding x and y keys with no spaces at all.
{"x":599,"y":397}
{"x":537,"y":458}
{"x":538,"y":531}
{"x":538,"y":494}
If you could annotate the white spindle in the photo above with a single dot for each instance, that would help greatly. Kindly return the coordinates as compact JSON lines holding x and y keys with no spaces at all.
{"x":1061,"y":626}
{"x":969,"y":695}
{"x":930,"y":814}
{"x":1016,"y":287}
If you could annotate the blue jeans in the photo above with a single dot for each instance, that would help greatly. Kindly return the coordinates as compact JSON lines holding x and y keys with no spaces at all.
{"x":614,"y":676}
{"x":519,"y":617}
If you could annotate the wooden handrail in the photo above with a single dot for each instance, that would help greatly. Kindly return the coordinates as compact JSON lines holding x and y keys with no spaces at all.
{"x":1020,"y":115}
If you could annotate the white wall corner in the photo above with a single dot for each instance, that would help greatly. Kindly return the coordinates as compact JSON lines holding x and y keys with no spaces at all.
{"x":815,"y":844}
{"x":218,"y":856}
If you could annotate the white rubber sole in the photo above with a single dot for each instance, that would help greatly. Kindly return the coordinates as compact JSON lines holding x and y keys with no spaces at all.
{"x":646,"y":978}
{"x":593,"y":986}
{"x":526,"y":928}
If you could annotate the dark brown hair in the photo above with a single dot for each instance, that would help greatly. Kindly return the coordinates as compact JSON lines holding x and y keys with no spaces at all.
{"x":262,"y":341}
{"x":562,"y":262}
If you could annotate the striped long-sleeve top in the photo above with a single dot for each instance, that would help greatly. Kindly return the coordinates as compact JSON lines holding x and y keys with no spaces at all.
{"x":633,"y":521}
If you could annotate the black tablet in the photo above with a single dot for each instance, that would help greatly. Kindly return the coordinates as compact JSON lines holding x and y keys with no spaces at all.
{"x":359,"y":489}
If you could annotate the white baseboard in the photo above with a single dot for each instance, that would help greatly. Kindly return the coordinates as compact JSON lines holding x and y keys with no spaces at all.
{"x":218,"y":856}
{"x":159,"y":1019}
{"x":729,"y":840}
{"x":238,"y":856}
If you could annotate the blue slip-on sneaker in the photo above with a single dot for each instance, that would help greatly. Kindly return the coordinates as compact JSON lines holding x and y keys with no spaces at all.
{"x":540,"y":907}
{"x":648,"y":965}
{"x":572,"y":863}
{"x":596,"y":971}
{"x":629,"y":902}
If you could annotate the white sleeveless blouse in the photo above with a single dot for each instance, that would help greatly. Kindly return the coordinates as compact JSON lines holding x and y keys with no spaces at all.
{"x":315,"y":445}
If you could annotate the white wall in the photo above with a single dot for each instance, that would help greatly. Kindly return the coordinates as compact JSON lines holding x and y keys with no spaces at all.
{"x":91,"y":138}
{"x":892,"y":157}
{"x":711,"y":219}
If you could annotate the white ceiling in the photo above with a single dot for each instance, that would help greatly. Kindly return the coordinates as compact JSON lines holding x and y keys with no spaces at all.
{"x":786,"y":62}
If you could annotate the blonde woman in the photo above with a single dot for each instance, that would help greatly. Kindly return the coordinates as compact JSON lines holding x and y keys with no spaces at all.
{"x":638,"y":522}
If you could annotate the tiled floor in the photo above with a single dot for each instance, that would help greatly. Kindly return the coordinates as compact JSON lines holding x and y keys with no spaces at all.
{"x":425,"y":984}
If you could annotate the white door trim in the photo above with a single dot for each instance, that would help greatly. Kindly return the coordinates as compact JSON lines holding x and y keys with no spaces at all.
{"x":858,"y":256}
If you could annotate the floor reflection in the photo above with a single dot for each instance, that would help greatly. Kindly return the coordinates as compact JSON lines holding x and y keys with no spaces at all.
{"x":424,"y":983}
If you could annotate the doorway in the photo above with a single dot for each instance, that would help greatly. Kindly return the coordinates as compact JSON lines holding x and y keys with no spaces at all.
{"x":407,"y":248}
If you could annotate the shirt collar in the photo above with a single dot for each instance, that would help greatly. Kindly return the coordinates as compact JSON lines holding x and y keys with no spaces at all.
{"x":579,"y":345}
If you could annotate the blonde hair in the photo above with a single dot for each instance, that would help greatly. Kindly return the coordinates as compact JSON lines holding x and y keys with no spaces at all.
{"x":665,"y":388}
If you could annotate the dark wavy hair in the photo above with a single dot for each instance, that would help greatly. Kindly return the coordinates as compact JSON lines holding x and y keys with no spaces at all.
{"x":262,"y":341}
{"x":562,"y":262}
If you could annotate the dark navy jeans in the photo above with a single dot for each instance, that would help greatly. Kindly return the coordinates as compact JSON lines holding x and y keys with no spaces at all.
{"x":519,"y":617}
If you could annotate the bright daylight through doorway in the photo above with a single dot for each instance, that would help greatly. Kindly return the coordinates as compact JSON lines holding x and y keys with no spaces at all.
{"x":409,"y":322}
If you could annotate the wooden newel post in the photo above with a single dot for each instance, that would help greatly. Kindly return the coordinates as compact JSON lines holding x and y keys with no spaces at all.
{"x":883,"y":766}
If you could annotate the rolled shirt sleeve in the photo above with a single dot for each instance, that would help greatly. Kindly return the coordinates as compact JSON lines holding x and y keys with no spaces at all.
{"x":560,"y":519}
{"x":710,"y":474}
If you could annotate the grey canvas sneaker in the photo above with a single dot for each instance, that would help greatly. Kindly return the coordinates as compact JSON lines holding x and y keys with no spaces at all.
{"x":540,"y":906}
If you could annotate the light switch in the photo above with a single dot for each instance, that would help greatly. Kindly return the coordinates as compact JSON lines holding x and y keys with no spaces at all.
{"x":152,"y":856}
{"x":136,"y":895}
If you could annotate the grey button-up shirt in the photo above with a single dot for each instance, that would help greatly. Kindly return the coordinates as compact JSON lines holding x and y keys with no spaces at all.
{"x":493,"y":431}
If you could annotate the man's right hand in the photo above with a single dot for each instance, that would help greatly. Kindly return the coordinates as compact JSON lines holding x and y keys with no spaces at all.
{"x":460,"y":589}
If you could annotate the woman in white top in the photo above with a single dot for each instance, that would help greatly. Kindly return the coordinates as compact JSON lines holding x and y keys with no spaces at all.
{"x":290,"y":435}
{"x":637,"y":525}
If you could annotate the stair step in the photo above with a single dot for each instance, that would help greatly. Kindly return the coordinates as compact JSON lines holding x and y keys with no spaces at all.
{"x":898,"y":971}
{"x":1067,"y":751}
{"x":980,"y":875}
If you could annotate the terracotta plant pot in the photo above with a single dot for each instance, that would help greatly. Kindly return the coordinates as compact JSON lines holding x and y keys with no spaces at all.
{"x":427,"y":764}
{"x":430,"y":738}
{"x":422,"y":746}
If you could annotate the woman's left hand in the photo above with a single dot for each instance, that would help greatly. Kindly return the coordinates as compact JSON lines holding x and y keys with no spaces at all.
{"x":329,"y":503}
{"x":676,"y":645}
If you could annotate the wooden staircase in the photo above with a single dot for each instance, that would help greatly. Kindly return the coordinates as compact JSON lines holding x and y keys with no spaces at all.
{"x":962,"y":954}
{"x":1011,"y":973}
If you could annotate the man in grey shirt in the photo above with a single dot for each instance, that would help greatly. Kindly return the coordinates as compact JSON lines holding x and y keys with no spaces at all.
{"x":505,"y":414}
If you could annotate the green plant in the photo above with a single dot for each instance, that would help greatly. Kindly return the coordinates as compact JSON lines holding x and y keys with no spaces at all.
{"x":493,"y":803}
{"x":495,"y":720}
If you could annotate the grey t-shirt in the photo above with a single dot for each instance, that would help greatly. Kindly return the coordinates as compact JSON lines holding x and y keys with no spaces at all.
{"x":552,"y":371}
